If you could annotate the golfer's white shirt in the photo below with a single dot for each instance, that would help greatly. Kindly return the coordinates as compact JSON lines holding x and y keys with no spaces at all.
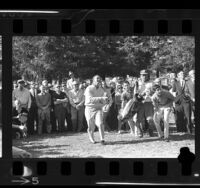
{"x":93,"y":97}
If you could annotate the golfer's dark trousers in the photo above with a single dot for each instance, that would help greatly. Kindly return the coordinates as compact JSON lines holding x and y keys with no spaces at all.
{"x":183,"y":112}
{"x":53,"y":119}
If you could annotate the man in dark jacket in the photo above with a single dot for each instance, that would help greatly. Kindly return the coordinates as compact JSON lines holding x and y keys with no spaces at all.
{"x":182,"y":105}
{"x":190,"y":90}
{"x":33,"y":114}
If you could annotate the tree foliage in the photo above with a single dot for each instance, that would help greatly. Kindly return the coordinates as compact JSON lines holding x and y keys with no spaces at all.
{"x":52,"y":57}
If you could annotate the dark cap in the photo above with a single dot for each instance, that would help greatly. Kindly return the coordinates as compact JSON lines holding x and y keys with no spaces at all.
{"x":21,"y":82}
{"x":156,"y":86}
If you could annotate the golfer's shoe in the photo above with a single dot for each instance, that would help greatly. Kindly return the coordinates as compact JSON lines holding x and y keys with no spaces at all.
{"x":103,"y":142}
{"x":166,"y":139}
{"x":161,"y":137}
{"x":119,"y":132}
{"x":141,"y":136}
{"x":91,"y":138}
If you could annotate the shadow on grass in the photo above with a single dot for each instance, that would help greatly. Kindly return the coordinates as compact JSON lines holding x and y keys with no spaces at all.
{"x":40,"y":150}
{"x":44,"y":136}
{"x":144,"y":140}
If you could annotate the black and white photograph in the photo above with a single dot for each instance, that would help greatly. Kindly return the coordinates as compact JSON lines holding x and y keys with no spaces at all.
{"x":0,"y":96}
{"x":103,"y":96}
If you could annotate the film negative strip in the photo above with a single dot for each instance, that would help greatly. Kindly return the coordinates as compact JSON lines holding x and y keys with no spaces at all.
{"x":55,"y":68}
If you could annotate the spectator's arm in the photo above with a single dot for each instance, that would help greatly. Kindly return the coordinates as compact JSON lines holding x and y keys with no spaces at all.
{"x":154,"y":101}
{"x":123,"y":101}
{"x":186,"y":90}
{"x":82,"y":100}
{"x":171,"y":99}
{"x":29,"y":100}
{"x":13,"y":98}
{"x":71,"y":100}
{"x":170,"y":96}
{"x":173,"y":87}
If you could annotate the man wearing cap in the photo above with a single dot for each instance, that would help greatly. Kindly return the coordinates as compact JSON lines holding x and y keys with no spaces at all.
{"x":94,"y":102}
{"x":77,"y":99}
{"x":33,"y":113}
{"x":157,"y":81}
{"x":143,"y":86}
{"x":21,"y":97}
{"x":43,"y":101}
{"x":182,"y":105}
{"x":162,"y":102}
{"x":60,"y":100}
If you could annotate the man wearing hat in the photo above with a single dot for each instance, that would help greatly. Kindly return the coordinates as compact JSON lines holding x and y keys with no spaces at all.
{"x":143,"y":86}
{"x":162,"y":102}
{"x":77,"y":99}
{"x":157,"y":81}
{"x":182,"y":105}
{"x":21,"y":97}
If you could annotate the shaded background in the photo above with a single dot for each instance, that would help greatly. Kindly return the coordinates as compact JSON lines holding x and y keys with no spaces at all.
{"x":39,"y":57}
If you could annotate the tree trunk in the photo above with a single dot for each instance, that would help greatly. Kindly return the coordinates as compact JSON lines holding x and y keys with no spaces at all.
{"x":157,"y":73}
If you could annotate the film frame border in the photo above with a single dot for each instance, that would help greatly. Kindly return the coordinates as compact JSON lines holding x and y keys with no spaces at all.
{"x":117,"y":164}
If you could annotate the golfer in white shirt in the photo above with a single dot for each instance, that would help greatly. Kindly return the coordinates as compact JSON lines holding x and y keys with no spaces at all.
{"x":95,"y":99}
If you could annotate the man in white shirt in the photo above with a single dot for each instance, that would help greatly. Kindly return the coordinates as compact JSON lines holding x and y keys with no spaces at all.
{"x":94,"y":101}
{"x":77,"y":99}
{"x":70,"y":81}
{"x":21,"y":97}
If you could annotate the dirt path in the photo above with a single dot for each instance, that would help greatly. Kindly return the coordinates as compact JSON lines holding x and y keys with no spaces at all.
{"x":65,"y":145}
